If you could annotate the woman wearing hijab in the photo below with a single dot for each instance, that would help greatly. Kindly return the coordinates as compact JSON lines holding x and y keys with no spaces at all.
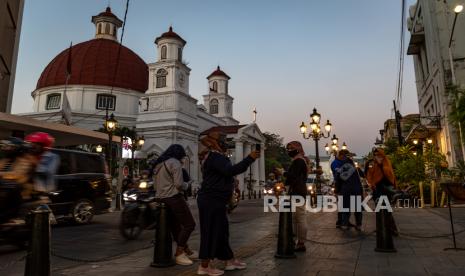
{"x":296,"y":178}
{"x":215,"y":192}
{"x":169,"y":181}
{"x":381,"y":178}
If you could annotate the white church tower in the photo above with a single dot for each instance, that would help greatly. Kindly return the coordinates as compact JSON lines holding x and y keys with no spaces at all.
{"x":218,"y":101}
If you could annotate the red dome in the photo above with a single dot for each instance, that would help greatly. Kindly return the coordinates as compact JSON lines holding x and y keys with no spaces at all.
{"x":170,"y":34}
{"x":218,"y":73}
{"x":107,"y":13}
{"x":93,"y":63}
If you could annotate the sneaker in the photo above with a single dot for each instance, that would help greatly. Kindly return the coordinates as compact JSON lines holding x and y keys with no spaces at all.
{"x":192,"y":254}
{"x":183,"y":260}
{"x":210,"y":271}
{"x":235,"y":265}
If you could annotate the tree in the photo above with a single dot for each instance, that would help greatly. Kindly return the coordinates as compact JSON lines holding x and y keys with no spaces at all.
{"x":275,"y":153}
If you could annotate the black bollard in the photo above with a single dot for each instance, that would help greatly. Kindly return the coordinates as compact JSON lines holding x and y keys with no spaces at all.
{"x":249,"y":195}
{"x":38,"y":253}
{"x":259,"y":194}
{"x":285,"y":241}
{"x":163,"y":249}
{"x":254,"y":194}
{"x":384,"y":241}
{"x":243,"y":195}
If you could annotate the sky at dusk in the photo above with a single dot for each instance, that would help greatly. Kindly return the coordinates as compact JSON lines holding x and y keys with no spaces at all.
{"x":283,"y":57}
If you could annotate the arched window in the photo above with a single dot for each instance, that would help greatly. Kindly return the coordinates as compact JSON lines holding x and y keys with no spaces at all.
{"x":107,"y":28}
{"x":112,"y":30}
{"x":215,"y":86}
{"x":99,"y":28}
{"x":161,"y":78}
{"x":214,"y":106}
{"x":53,"y":101}
{"x":163,"y":52}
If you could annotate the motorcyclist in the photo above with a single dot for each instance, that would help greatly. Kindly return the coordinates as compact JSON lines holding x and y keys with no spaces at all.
{"x":48,"y":162}
{"x":17,"y":168}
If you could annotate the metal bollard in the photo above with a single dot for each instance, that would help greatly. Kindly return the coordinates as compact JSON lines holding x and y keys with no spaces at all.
{"x":285,"y":241}
{"x":243,"y":195}
{"x":38,"y":253}
{"x":259,"y":194}
{"x":249,"y":195}
{"x":384,"y":241}
{"x":163,"y":249}
{"x":254,"y":194}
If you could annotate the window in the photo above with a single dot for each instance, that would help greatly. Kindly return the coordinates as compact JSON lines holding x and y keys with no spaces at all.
{"x":226,"y":87}
{"x":214,"y":106}
{"x":161,"y":78}
{"x":99,"y":29}
{"x":106,"y":101}
{"x":112,"y":32}
{"x":163,"y":52}
{"x":53,"y":101}
{"x":215,"y":86}
{"x":107,"y":28}
{"x":179,"y":54}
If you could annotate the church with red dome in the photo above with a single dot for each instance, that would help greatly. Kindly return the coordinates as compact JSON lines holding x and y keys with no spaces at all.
{"x":99,"y":77}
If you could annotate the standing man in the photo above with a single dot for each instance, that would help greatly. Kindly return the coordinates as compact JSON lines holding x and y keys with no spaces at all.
{"x":296,"y":178}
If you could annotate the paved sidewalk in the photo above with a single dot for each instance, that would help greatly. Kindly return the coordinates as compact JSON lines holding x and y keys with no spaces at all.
{"x":330,"y":251}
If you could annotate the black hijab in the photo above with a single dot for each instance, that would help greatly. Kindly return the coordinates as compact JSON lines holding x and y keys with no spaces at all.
{"x":174,"y":151}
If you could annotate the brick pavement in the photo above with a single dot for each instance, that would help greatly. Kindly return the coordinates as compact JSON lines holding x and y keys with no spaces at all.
{"x":330,"y":251}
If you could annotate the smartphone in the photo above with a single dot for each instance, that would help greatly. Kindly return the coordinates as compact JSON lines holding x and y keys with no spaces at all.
{"x":258,"y":147}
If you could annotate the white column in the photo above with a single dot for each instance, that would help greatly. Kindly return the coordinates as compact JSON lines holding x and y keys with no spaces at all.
{"x":262,"y":165}
{"x":239,"y":153}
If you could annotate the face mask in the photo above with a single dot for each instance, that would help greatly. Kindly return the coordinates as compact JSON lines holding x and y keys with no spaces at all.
{"x":292,"y":153}
{"x":223,"y":143}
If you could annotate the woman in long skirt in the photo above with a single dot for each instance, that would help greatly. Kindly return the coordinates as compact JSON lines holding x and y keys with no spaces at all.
{"x":215,"y":192}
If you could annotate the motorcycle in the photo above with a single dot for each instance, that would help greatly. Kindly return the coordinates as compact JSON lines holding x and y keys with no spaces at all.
{"x":140,"y":211}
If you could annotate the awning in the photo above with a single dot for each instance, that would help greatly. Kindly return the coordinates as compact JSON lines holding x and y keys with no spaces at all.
{"x":64,"y":135}
{"x":421,"y":132}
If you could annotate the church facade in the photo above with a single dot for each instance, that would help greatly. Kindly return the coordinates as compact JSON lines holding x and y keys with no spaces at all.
{"x":108,"y":78}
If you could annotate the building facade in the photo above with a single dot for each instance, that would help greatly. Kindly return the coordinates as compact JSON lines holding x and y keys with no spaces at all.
{"x":11,"y":13}
{"x":430,"y":25}
{"x":154,"y":97}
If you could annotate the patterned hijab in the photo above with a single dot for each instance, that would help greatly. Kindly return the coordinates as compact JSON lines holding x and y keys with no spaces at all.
{"x":378,"y":171}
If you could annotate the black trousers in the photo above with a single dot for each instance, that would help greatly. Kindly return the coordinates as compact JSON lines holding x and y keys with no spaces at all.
{"x":182,"y":221}
{"x":214,"y":229}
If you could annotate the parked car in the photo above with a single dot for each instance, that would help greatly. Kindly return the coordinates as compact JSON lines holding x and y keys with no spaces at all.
{"x":82,"y":186}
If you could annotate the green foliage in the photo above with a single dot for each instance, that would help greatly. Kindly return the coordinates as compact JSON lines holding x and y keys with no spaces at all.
{"x":275,"y":153}
{"x":457,"y":105}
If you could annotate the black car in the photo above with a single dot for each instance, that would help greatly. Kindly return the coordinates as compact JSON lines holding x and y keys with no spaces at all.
{"x":82,"y":186}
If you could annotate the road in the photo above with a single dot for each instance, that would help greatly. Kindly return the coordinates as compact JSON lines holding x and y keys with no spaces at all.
{"x":74,"y":245}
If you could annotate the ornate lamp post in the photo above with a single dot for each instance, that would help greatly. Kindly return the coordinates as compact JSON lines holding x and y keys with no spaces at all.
{"x":334,"y":147}
{"x":316,"y":134}
{"x":110,"y":125}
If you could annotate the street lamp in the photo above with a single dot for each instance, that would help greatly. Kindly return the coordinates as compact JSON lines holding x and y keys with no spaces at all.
{"x":98,"y":149}
{"x":458,"y":9}
{"x":316,"y":134}
{"x":344,"y":146}
{"x":430,"y":141}
{"x":110,"y":126}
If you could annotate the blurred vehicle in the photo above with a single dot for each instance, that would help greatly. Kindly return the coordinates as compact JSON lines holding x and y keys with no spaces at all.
{"x":140,"y":211}
{"x":276,"y":190}
{"x":83,"y":186}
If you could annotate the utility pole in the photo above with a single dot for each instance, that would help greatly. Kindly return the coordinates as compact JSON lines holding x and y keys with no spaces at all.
{"x":399,"y":128}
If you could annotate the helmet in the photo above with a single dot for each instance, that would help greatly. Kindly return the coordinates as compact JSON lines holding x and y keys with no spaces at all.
{"x":45,"y":139}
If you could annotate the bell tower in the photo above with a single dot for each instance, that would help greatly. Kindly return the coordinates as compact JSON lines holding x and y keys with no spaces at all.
{"x":218,"y":101}
{"x":107,"y":25}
